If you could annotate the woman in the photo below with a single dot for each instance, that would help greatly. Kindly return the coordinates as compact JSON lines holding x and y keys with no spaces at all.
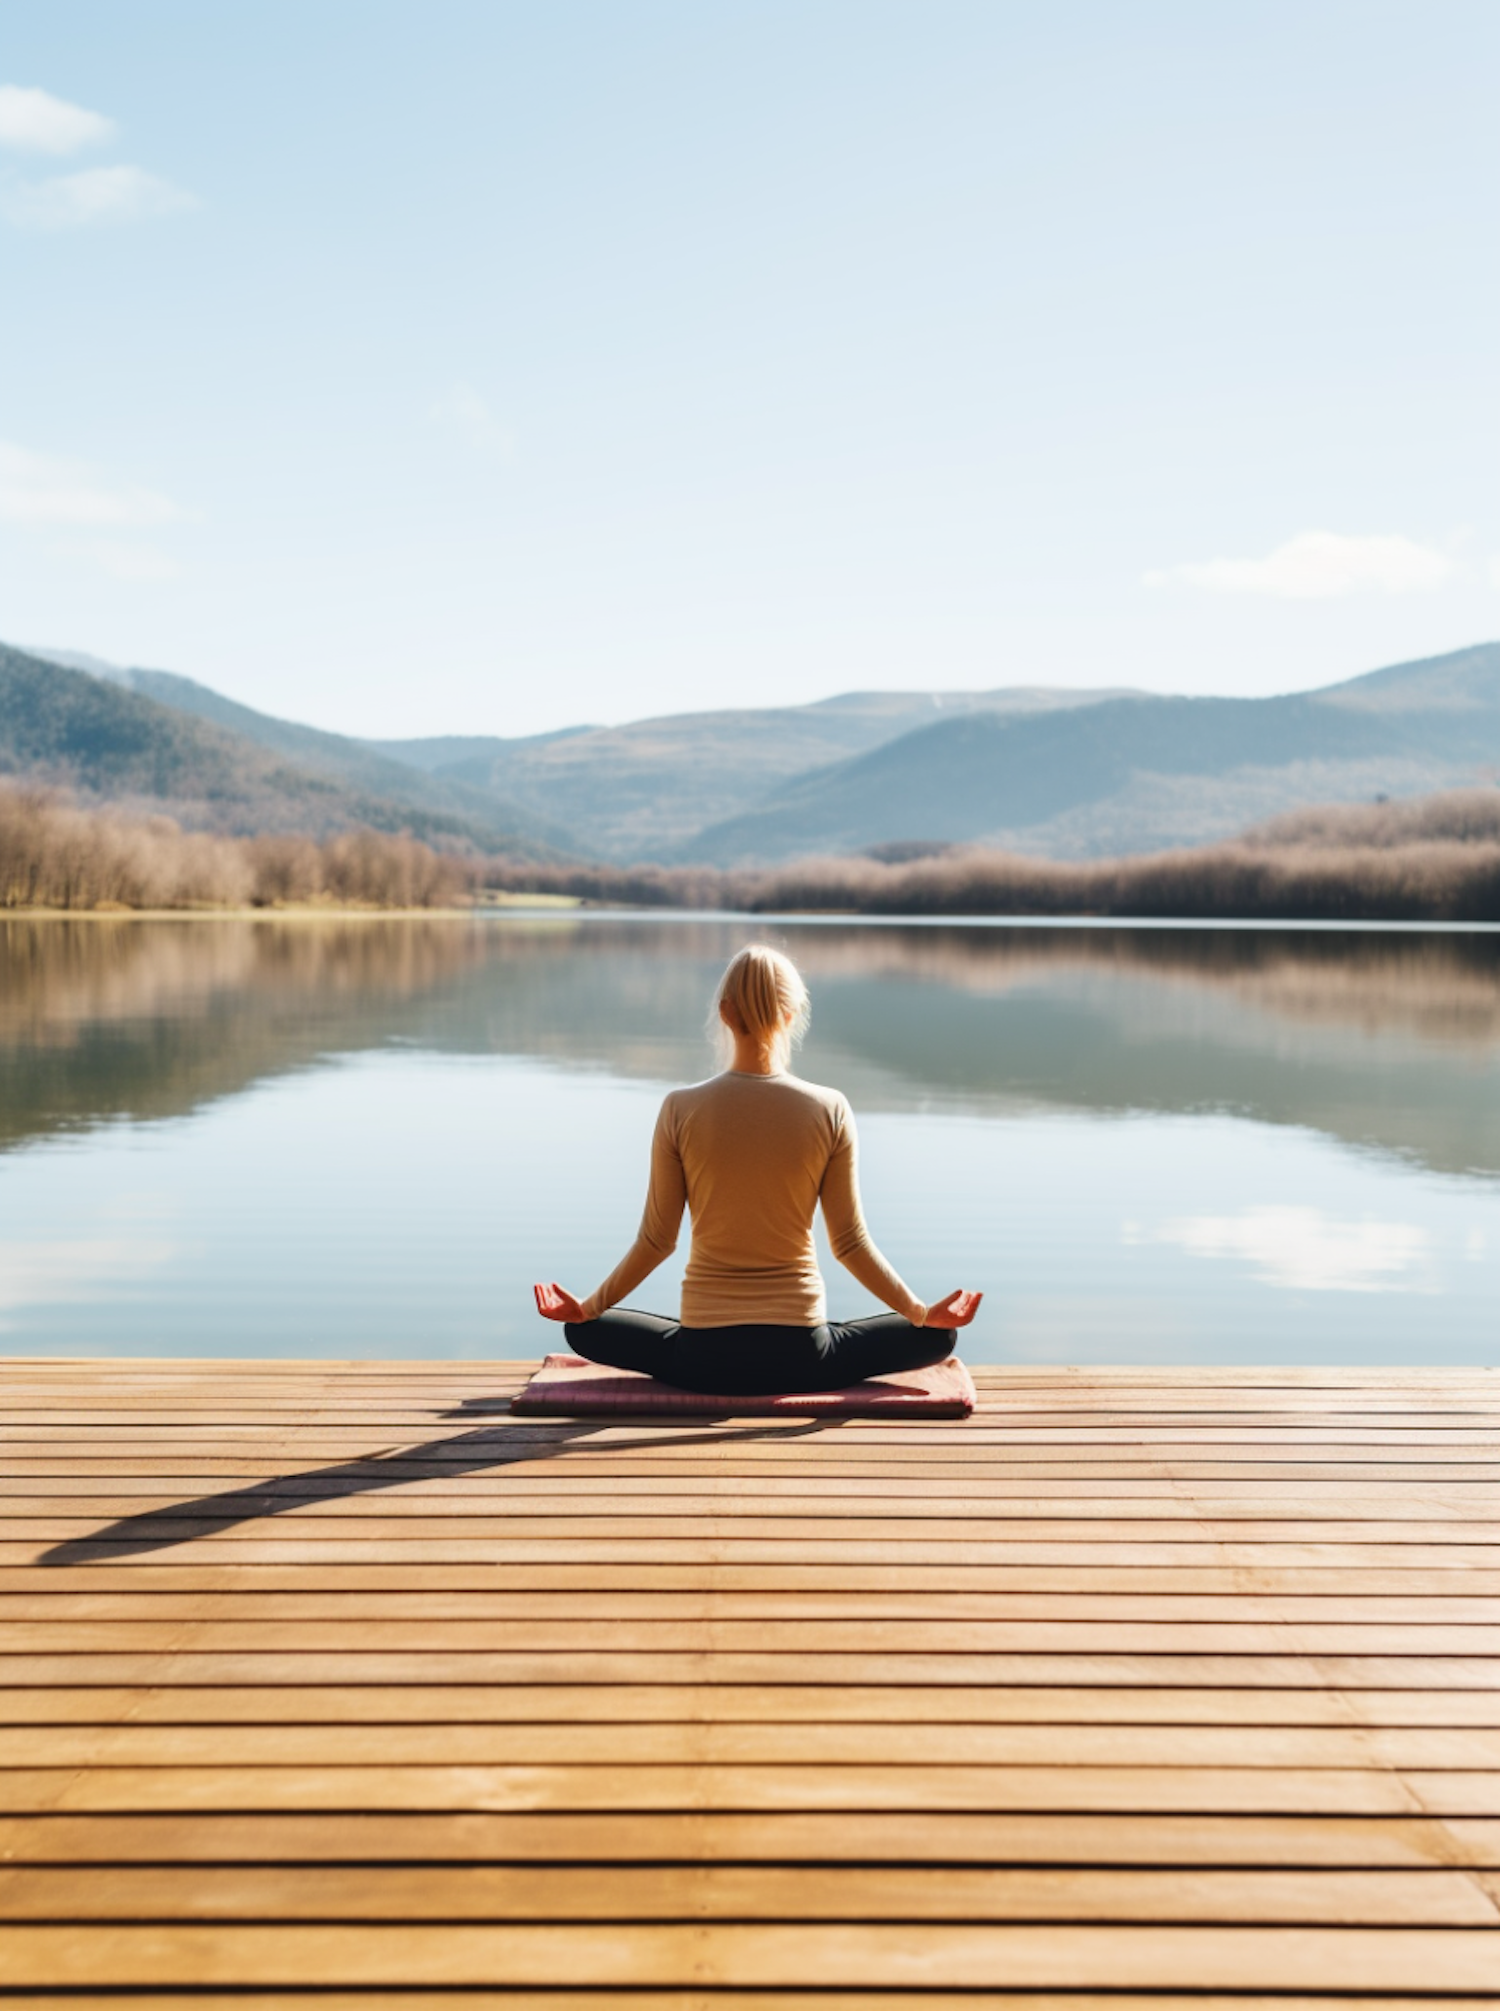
{"x":750,"y":1154}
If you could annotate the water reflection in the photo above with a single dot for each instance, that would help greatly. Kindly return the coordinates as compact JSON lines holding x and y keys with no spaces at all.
{"x":74,"y":1270}
{"x":1388,"y":1042}
{"x":1302,"y":1249}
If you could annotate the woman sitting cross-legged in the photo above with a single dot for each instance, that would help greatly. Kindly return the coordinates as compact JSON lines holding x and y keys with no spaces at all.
{"x":750,"y":1154}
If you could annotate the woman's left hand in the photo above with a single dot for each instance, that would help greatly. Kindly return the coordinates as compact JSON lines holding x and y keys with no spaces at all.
{"x":553,"y":1303}
{"x":955,"y":1311}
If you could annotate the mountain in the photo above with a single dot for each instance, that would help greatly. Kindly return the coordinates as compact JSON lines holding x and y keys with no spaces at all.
{"x":157,"y":741}
{"x":353,"y":763}
{"x":1466,"y":681}
{"x":1136,"y":774}
{"x":1066,"y":774}
{"x":645,"y":790}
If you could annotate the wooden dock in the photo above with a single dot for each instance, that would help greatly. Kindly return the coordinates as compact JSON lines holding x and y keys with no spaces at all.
{"x":326,"y":1685}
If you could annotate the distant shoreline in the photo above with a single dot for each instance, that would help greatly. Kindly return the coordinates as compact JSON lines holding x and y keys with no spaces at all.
{"x":580,"y":910}
{"x":301,"y":911}
{"x":1426,"y":859}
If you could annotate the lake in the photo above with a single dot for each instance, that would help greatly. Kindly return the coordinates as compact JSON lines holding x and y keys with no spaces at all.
{"x":366,"y":1137}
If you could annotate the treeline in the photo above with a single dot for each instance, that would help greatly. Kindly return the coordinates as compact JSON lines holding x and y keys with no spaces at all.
{"x":1436,"y":858}
{"x":55,"y":854}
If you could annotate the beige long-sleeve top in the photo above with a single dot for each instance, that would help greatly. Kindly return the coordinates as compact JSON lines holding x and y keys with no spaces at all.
{"x":751,"y":1156}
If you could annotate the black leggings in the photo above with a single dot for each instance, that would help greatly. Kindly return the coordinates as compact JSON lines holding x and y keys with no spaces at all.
{"x":755,"y":1361}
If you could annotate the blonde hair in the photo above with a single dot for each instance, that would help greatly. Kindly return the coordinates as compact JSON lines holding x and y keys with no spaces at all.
{"x":761,"y":995}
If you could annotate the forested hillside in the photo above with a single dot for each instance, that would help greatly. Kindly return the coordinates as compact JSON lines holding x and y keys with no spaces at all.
{"x":354,"y":763}
{"x":109,"y":743}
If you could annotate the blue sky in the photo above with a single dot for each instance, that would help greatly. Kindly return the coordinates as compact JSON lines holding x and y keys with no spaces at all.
{"x":439,"y":367}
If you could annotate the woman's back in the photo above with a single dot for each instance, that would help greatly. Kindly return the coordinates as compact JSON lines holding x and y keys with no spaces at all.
{"x":754,"y":1152}
{"x":751,"y":1156}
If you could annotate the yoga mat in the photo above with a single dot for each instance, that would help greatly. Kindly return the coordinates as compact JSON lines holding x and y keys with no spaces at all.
{"x":568,"y":1386}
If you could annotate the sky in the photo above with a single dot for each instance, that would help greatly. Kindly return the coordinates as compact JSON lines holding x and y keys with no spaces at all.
{"x":474,"y":366}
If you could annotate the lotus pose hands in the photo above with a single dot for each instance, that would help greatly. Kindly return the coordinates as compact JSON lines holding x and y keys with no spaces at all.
{"x":752,"y":1154}
{"x":957,"y":1310}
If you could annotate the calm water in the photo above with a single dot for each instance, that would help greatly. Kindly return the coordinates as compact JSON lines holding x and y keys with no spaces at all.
{"x":367,"y":1138}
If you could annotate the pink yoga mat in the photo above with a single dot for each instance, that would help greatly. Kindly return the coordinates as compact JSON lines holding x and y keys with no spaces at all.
{"x":568,"y":1386}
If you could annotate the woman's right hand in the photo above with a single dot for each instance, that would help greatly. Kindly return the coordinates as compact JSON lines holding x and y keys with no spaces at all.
{"x":553,"y":1303}
{"x":955,"y":1311}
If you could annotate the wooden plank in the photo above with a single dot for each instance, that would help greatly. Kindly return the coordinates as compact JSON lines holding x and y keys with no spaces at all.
{"x":1114,"y":1387}
{"x":345,"y":1704}
{"x":183,"y":1465}
{"x":1008,"y":1385}
{"x":511,"y":1458}
{"x":368,"y":1383}
{"x":1001,"y":1374}
{"x":898,"y":1672}
{"x":537,"y":1491}
{"x":918,"y":1605}
{"x":171,"y":1419}
{"x":413,"y":1523}
{"x":1192,"y":1549}
{"x":507,"y":1467}
{"x":685,"y":1742}
{"x":174,"y":1893}
{"x":886,"y":1485}
{"x":1055,"y":1380}
{"x":405,"y":1513}
{"x":494,"y":1419}
{"x":509,"y":1437}
{"x":433,"y":1559}
{"x":852,"y":1788}
{"x":766,"y":1955}
{"x":712,"y":1998}
{"x":936,"y":1636}
{"x":910,"y":1836}
{"x":188,"y":1574}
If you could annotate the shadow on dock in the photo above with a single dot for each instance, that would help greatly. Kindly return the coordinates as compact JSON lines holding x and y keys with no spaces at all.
{"x":468,"y":1452}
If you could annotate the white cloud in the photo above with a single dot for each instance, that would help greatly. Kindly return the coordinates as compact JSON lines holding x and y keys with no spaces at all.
{"x":464,"y":411}
{"x":1319,"y":565}
{"x":42,"y":491}
{"x":35,"y":122}
{"x":1495,"y":572}
{"x":96,"y":196}
{"x":1302,"y":1250}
